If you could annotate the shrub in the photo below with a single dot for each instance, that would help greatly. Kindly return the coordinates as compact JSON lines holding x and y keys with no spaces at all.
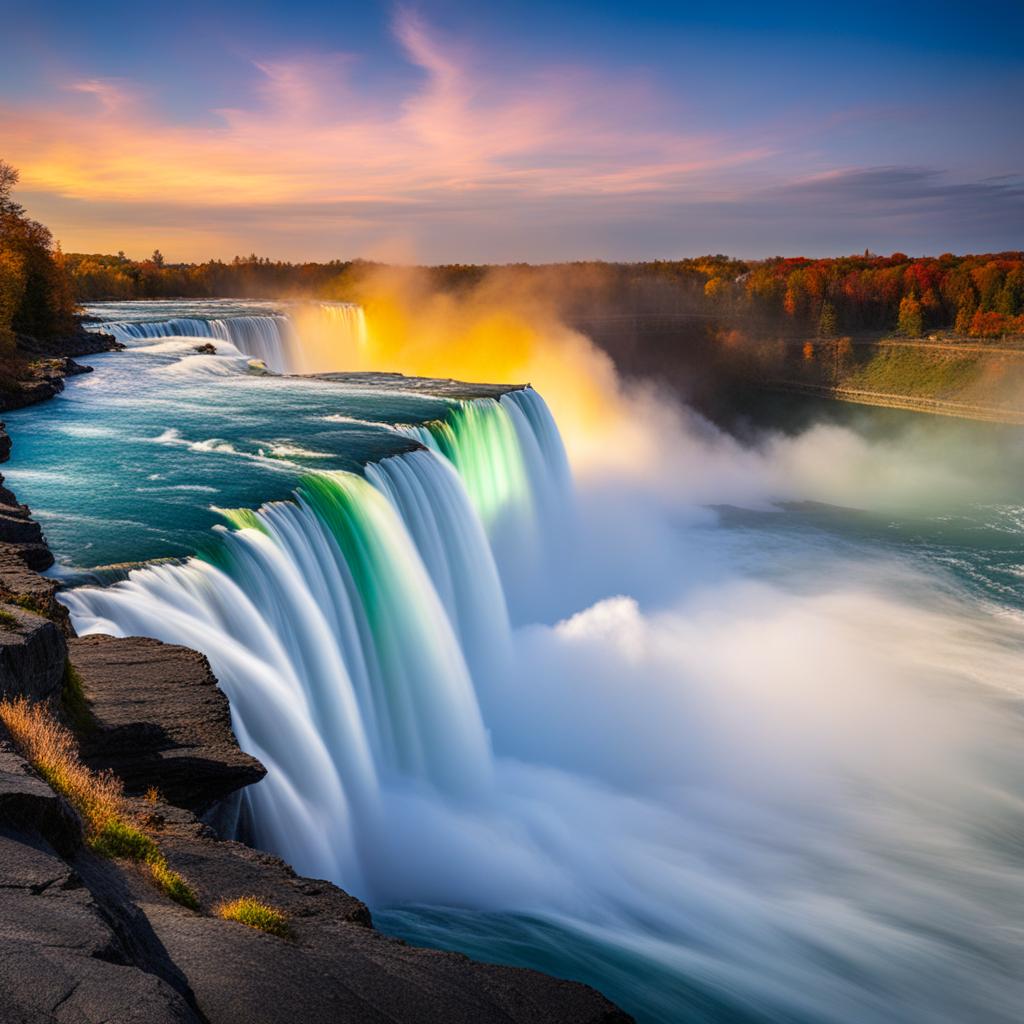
{"x":254,"y":913}
{"x":910,"y":322}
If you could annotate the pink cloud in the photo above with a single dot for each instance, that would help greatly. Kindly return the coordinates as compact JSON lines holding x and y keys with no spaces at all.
{"x":313,"y":137}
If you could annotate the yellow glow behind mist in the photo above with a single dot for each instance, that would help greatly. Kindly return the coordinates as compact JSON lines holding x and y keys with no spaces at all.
{"x":499,"y":333}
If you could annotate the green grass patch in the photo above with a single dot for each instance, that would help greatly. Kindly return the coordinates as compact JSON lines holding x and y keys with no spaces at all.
{"x":254,"y":913}
{"x":172,"y":884}
{"x":9,"y":619}
{"x":916,"y":372}
{"x":120,"y":838}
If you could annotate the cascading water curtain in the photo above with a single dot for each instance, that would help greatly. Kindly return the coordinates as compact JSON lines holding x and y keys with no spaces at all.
{"x":512,"y":462}
{"x":352,"y":630}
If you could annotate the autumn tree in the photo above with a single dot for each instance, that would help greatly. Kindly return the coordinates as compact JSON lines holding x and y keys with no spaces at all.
{"x":36,"y":292}
{"x":910,"y":322}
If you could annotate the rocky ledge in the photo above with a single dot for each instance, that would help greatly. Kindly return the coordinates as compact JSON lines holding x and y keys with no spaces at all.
{"x":79,"y":342}
{"x":158,"y":718}
{"x":88,"y":939}
{"x":40,"y":366}
{"x":85,"y":939}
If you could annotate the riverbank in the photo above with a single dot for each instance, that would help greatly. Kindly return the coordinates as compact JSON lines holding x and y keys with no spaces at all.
{"x":718,"y":367}
{"x":87,"y":937}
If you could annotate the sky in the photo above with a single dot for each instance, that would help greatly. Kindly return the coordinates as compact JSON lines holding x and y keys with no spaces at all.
{"x":458,"y":131}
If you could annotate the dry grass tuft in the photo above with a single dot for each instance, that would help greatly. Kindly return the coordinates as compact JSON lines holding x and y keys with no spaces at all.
{"x":97,"y":796}
{"x":254,"y":913}
{"x":52,"y":749}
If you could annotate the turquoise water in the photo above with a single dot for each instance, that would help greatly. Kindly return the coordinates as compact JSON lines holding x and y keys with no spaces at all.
{"x":763,"y":764}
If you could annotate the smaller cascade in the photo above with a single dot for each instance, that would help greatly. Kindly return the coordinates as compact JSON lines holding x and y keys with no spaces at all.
{"x":268,"y":338}
{"x":133,"y":332}
{"x":331,"y":336}
{"x":310,"y":338}
{"x":348,"y":320}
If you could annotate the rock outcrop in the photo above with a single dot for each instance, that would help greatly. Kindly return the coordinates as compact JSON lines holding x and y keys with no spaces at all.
{"x":40,"y":365}
{"x":23,"y":586}
{"x":20,"y":533}
{"x":64,"y":958}
{"x":40,"y":380}
{"x":30,"y":808}
{"x":158,"y":718}
{"x":89,"y":940}
{"x":337,"y":969}
{"x":79,"y":342}
{"x":33,"y":653}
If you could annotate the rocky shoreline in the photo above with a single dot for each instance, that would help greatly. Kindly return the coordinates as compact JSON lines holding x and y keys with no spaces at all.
{"x":85,"y":938}
{"x":42,"y":366}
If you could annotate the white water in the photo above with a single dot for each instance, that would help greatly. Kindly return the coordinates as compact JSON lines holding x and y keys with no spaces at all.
{"x":795,"y":801}
{"x":511,"y":460}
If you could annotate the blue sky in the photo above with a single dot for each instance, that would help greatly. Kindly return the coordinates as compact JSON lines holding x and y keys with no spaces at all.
{"x":497,"y":131}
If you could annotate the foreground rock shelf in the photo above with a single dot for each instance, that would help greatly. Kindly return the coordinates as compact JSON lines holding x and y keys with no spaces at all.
{"x":157,"y":718}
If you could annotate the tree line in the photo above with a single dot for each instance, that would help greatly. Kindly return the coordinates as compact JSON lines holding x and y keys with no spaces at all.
{"x":977,"y":296}
{"x":974,"y":296}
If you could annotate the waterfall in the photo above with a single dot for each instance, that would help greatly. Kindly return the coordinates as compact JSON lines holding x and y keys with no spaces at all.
{"x":271,"y":338}
{"x":664,"y":802}
{"x":357,"y":629}
{"x":451,"y":540}
{"x":347,"y":320}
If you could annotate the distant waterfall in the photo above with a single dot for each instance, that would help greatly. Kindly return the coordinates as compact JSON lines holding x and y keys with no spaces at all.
{"x":272,"y":338}
{"x":347,"y":319}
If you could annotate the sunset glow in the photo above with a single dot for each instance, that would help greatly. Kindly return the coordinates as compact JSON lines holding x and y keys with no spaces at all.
{"x":294,"y":138}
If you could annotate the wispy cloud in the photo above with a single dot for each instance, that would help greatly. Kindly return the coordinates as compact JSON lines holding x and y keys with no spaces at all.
{"x":312,"y":135}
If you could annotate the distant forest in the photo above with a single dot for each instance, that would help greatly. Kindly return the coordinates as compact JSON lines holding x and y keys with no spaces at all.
{"x":980,"y":296}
